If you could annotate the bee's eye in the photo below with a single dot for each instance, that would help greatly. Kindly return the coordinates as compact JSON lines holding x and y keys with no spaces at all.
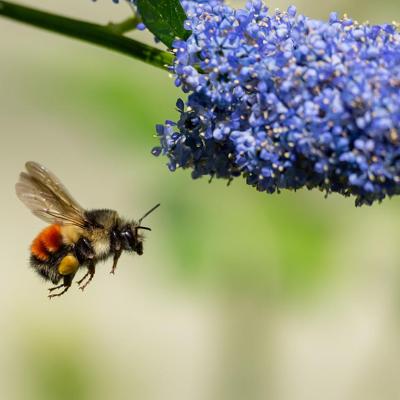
{"x":130,"y":240}
{"x":127,"y":238}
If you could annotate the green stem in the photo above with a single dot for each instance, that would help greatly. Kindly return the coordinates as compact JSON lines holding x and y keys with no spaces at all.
{"x":92,"y":33}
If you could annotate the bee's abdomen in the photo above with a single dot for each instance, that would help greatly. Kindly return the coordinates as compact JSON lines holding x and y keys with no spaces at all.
{"x":46,"y":269}
{"x":48,"y":242}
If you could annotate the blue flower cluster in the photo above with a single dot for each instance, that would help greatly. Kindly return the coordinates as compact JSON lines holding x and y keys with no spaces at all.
{"x":287,"y":101}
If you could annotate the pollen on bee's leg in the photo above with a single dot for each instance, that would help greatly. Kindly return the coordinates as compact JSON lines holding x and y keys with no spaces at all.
{"x":68,"y":265}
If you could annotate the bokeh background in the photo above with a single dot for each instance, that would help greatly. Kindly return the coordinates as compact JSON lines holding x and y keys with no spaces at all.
{"x":239,"y":295}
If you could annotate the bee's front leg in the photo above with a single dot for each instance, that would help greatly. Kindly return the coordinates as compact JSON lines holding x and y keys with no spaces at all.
{"x":117,"y":255}
{"x":90,"y":274}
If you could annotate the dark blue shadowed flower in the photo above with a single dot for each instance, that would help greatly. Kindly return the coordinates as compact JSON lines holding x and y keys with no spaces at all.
{"x":287,"y":101}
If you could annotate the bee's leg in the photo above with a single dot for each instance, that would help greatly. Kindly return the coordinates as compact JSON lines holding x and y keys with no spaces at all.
{"x":90,"y":273}
{"x":84,"y":277}
{"x":117,"y":254}
{"x":56,"y":287}
{"x":66,"y":285}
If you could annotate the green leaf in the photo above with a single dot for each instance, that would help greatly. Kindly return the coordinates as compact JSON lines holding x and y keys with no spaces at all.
{"x":164,"y":18}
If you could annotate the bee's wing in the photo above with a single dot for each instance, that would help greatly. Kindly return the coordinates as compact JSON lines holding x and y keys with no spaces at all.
{"x":43,"y":193}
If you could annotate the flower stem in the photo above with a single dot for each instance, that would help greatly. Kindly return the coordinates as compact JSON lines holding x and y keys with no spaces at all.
{"x":104,"y":36}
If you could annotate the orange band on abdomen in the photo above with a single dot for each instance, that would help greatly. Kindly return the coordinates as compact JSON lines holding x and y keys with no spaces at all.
{"x":48,"y":241}
{"x":39,"y":250}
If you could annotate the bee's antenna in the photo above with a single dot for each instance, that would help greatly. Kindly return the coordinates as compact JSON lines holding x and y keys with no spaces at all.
{"x":144,"y":227}
{"x":148,"y":212}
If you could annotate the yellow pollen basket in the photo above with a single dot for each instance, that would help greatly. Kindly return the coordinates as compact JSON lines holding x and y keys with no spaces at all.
{"x":68,"y":265}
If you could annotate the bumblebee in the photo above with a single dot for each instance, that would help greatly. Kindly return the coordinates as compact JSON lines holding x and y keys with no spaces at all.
{"x":76,"y":237}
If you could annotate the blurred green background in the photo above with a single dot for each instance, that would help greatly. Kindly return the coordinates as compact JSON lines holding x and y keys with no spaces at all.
{"x":239,"y":295}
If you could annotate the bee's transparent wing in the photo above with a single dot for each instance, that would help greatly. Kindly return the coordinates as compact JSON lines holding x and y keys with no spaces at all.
{"x":43,"y":193}
{"x":48,"y":179}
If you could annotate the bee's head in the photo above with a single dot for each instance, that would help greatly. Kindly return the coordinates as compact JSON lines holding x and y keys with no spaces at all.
{"x":131,"y":238}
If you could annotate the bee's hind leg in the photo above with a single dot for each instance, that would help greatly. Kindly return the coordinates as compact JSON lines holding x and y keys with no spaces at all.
{"x":66,"y":285}
{"x":90,"y":274}
{"x":56,"y":287}
{"x":67,"y":268}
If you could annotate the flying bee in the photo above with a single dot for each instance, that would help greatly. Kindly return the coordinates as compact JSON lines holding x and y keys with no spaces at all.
{"x":76,"y":237}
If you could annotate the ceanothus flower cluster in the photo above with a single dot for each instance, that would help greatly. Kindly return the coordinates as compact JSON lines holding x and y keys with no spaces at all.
{"x":287,"y":101}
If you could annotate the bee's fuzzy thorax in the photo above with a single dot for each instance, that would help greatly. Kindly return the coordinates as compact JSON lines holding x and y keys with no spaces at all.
{"x":103,"y":221}
{"x":103,"y":218}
